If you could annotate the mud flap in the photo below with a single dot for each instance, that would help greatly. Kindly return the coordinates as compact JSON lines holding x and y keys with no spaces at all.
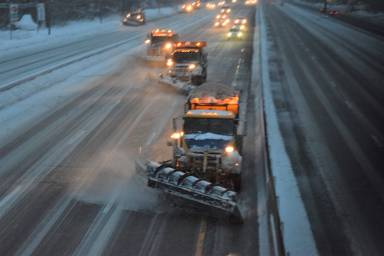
{"x":193,"y":190}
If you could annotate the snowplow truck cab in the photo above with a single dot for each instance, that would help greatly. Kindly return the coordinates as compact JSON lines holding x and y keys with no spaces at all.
{"x":136,"y":17}
{"x":160,"y":44}
{"x":209,"y":144}
{"x":188,"y":62}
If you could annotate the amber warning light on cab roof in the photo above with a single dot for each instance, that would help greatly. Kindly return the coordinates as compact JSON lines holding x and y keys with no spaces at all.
{"x":197,"y":44}
{"x":162,"y":32}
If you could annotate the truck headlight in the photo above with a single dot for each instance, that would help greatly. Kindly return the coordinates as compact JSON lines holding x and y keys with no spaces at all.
{"x":169,"y":62}
{"x":168,"y":46}
{"x":138,"y":17}
{"x":176,"y":135}
{"x":191,"y":66}
{"x":229,"y":149}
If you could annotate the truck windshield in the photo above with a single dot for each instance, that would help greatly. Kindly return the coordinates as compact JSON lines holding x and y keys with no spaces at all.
{"x":159,"y":39}
{"x":181,"y":57}
{"x":212,"y":125}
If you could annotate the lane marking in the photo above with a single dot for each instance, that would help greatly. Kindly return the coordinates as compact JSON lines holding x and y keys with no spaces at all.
{"x":379,"y":142}
{"x":6,"y":199}
{"x":201,"y":238}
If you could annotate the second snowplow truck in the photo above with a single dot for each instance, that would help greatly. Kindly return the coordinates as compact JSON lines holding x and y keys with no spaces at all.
{"x":187,"y":63}
{"x":160,"y":44}
{"x":206,"y":150}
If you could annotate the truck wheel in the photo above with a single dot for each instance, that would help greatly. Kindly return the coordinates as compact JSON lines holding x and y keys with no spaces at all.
{"x":204,"y":78}
{"x":196,"y":80}
{"x":236,"y":181}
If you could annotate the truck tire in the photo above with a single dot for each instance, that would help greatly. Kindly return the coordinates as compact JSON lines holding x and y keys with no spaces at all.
{"x":205,"y":75}
{"x":197,"y":80}
{"x":236,"y":181}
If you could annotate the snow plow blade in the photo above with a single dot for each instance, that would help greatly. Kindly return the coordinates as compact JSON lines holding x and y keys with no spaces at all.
{"x":183,"y":86}
{"x":194,"y":190}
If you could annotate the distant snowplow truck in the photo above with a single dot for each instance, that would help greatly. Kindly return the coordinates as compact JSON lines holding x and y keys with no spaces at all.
{"x":160,"y":44}
{"x":187,"y":65}
{"x":206,"y":163}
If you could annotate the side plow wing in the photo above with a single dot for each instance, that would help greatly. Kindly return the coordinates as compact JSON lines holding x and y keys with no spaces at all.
{"x":192,"y":189}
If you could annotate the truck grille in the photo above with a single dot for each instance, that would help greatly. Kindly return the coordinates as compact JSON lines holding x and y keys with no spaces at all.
{"x":204,"y":161}
{"x":154,"y":51}
{"x":181,"y":71}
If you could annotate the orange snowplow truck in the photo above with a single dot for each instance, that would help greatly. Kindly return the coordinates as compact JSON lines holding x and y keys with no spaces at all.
{"x":160,"y":44}
{"x":188,"y":62}
{"x":205,"y":169}
{"x":208,"y":143}
{"x":209,"y":102}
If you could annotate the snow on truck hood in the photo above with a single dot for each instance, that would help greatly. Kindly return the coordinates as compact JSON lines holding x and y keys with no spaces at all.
{"x":198,"y":141}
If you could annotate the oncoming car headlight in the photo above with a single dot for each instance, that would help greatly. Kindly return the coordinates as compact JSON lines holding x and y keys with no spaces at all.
{"x":147,"y":41}
{"x":239,"y":34}
{"x":191,"y":66}
{"x":229,"y":34}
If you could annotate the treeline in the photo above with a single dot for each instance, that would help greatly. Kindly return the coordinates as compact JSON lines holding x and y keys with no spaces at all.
{"x":59,"y":11}
{"x":373,"y":5}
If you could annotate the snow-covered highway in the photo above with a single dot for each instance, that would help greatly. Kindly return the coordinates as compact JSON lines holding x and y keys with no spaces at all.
{"x":69,"y":184}
{"x":78,"y":114}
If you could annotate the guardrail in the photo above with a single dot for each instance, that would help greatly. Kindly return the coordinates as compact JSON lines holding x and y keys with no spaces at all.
{"x":275,"y":225}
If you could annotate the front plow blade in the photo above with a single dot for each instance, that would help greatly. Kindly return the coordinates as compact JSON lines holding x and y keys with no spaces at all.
{"x":192,"y":189}
{"x":183,"y":86}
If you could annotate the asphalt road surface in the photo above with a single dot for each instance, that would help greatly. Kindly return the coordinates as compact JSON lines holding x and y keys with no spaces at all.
{"x":328,"y":89}
{"x":68,"y":181}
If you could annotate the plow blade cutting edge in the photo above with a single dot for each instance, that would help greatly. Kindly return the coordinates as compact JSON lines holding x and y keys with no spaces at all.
{"x":183,"y":86}
{"x":192,"y":189}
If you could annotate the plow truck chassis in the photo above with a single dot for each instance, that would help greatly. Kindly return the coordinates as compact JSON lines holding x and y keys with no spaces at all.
{"x":206,"y":163}
{"x":160,"y":44}
{"x":187,"y":65}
